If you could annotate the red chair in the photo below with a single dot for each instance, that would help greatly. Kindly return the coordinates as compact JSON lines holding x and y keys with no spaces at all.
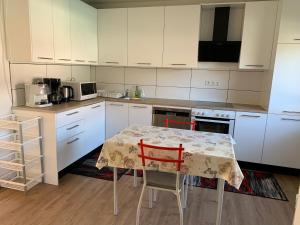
{"x":169,"y":122}
{"x":164,"y":181}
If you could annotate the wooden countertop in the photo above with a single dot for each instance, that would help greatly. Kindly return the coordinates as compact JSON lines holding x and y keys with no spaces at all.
{"x":150,"y":101}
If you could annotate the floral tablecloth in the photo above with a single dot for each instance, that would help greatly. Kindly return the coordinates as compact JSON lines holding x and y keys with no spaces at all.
{"x":206,"y":154}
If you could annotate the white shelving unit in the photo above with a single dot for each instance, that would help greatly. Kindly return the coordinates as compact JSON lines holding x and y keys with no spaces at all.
{"x":21,"y":153}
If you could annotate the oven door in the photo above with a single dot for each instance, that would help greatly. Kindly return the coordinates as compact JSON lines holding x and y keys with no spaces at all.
{"x":215,"y":125}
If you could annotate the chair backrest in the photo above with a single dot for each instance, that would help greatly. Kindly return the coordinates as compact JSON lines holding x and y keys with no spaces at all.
{"x":161,"y":157}
{"x":168,"y":122}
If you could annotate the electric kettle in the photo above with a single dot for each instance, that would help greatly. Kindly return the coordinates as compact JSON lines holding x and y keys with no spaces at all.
{"x":67,"y":93}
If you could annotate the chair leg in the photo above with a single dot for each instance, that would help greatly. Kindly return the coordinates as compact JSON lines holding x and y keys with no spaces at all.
{"x":138,"y":212}
{"x":186,"y":189}
{"x":134,"y":178}
{"x":182,"y":192}
{"x":155,"y":195}
{"x":150,"y":193}
{"x":180,"y":208}
{"x":191,"y":182}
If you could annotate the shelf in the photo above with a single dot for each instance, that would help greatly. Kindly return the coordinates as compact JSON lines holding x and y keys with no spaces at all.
{"x":12,"y":161}
{"x":13,"y":142}
{"x":13,"y":122}
{"x":13,"y":181}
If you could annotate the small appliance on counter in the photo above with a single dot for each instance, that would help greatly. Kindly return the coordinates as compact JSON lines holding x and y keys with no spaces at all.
{"x":82,"y":90}
{"x":67,"y":93}
{"x":37,"y":95}
{"x":54,"y":86}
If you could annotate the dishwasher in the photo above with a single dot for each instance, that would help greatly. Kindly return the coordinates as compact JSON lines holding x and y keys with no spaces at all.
{"x":160,"y":114}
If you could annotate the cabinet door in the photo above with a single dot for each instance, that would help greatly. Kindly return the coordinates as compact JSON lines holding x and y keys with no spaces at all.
{"x":140,"y":114}
{"x":285,"y":93}
{"x":41,"y":25}
{"x":258,"y":34}
{"x":95,"y":125}
{"x":112,"y":28}
{"x":249,"y":135}
{"x":290,"y":22}
{"x":116,"y":118}
{"x":62,"y":32}
{"x":90,"y":30}
{"x":78,"y":50}
{"x":181,"y":36}
{"x":145,"y":36}
{"x":282,"y":141}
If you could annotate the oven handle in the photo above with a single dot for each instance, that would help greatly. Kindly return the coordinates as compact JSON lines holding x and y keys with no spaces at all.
{"x":212,"y":121}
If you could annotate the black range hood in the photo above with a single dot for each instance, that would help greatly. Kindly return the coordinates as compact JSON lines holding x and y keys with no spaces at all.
{"x":219,"y":49}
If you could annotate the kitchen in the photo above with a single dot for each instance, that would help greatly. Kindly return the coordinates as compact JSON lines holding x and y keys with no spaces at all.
{"x":166,"y":59}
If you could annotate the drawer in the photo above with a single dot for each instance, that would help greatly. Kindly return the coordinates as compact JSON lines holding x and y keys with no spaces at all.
{"x":70,"y":150}
{"x":69,"y":130}
{"x":68,"y":117}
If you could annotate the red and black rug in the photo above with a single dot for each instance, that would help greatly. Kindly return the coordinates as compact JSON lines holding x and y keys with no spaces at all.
{"x":255,"y":183}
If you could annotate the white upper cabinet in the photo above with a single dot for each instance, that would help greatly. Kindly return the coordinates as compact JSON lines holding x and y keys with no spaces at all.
{"x":112,"y":36}
{"x":285,"y":93}
{"x":290,"y":22}
{"x":258,"y":35}
{"x":62,"y":31}
{"x":249,"y":132}
{"x":29,"y":30}
{"x":181,"y":36}
{"x":282,"y":141}
{"x":145,"y":36}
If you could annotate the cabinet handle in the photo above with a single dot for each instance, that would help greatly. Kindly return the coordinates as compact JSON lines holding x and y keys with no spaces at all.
{"x":79,"y":60}
{"x":296,"y":39}
{"x":73,"y":113}
{"x":289,"y":119}
{"x":141,"y":63}
{"x":93,"y":61}
{"x":139,"y":107}
{"x":291,"y":112}
{"x":71,"y":128}
{"x":178,"y":64}
{"x":95,"y":107}
{"x":255,"y":65}
{"x":70,"y":142}
{"x":112,"y":104}
{"x":250,"y":116}
{"x":112,"y":62}
{"x":65,"y":60}
{"x":48,"y":58}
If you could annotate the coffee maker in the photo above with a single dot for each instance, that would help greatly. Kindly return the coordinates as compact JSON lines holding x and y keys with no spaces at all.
{"x":54,"y":86}
{"x":36,"y":95}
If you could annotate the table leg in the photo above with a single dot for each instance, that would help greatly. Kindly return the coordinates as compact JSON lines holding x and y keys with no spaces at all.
{"x":221,"y":183}
{"x":134,"y":178}
{"x":115,"y":191}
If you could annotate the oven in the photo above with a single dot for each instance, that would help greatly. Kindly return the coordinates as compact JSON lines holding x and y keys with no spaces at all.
{"x":216,"y":121}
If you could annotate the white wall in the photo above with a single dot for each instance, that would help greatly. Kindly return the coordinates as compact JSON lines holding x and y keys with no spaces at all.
{"x":200,"y":84}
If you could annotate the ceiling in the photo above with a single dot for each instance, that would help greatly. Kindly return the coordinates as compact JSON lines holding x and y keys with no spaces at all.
{"x":137,"y":3}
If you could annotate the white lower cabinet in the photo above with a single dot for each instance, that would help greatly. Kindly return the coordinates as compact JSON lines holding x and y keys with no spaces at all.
{"x":116,"y":117}
{"x":95,"y":125}
{"x":282,"y":141}
{"x":140,"y":114}
{"x":249,"y":136}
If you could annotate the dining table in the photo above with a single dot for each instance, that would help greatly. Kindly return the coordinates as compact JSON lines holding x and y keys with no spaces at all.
{"x":206,"y":154}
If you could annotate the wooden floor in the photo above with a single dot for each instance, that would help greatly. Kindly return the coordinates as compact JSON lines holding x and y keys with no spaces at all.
{"x":88,"y":201}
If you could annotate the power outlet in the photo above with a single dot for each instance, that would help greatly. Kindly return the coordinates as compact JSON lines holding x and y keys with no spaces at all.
{"x":210,"y":83}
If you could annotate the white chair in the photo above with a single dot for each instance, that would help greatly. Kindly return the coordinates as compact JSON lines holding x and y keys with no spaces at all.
{"x":164,"y":181}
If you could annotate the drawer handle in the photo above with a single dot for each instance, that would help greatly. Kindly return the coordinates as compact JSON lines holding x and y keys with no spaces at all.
{"x":289,"y":119}
{"x":143,"y":63}
{"x":79,"y":60}
{"x":139,"y":107}
{"x":296,"y":39}
{"x":178,"y":64}
{"x":255,"y":65}
{"x":93,"y":61}
{"x":250,"y":116}
{"x":70,"y":142}
{"x":112,"y":104}
{"x":112,"y":62}
{"x":73,"y":113}
{"x":71,"y":128}
{"x":290,"y":112}
{"x":48,"y":58}
{"x":65,"y":60}
{"x":97,"y":106}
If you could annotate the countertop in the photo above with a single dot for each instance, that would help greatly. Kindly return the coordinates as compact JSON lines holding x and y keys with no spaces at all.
{"x":149,"y":101}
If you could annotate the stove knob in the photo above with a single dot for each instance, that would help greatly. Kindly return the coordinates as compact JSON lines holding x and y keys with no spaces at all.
{"x":222,"y":115}
{"x":217,"y":115}
{"x":202,"y":113}
{"x":227,"y":115}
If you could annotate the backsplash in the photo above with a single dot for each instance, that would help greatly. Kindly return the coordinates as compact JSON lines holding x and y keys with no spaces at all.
{"x":198,"y":84}
{"x":24,"y":73}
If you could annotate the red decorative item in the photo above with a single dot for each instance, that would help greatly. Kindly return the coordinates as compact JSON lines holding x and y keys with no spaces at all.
{"x":167,"y":122}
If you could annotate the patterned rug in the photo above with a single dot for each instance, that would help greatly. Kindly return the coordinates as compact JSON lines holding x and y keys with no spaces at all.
{"x":255,"y":183}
